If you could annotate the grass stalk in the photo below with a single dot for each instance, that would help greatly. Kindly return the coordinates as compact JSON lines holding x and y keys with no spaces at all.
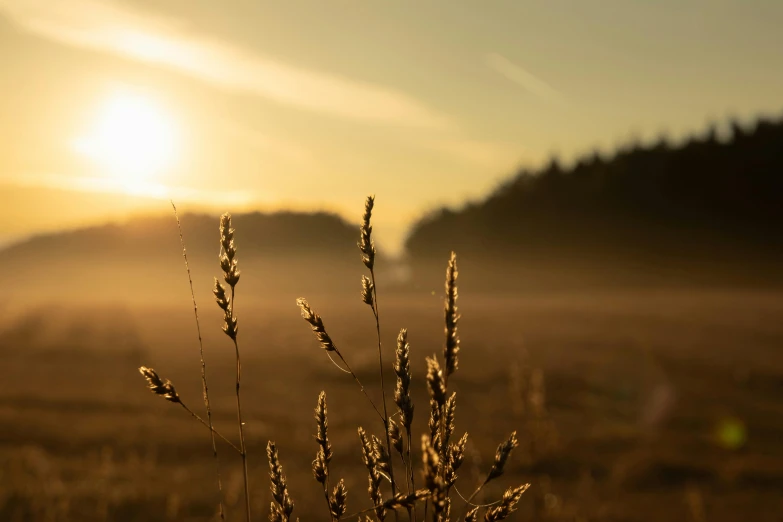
{"x":242,"y":445}
{"x":231,"y":275}
{"x":367,"y":247}
{"x":210,"y":428}
{"x":383,"y":383}
{"x":441,"y":458}
{"x":203,"y":365}
{"x":165,"y":388}
{"x":498,"y":466}
{"x":317,"y":325}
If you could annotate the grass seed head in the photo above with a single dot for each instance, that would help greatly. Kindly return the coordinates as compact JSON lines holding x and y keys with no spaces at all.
{"x":435,"y":381}
{"x":366,"y":244}
{"x":220,"y":296}
{"x":230,"y":327}
{"x":448,"y":421}
{"x":285,"y":505}
{"x":367,"y":290}
{"x":396,"y":436}
{"x":228,"y":263}
{"x":374,"y":488}
{"x":380,"y":455}
{"x":368,"y":455}
{"x":317,"y":324}
{"x":431,"y":463}
{"x":455,"y":456}
{"x":432,"y":478}
{"x":451,"y":349}
{"x":338,"y":501}
{"x":501,"y":456}
{"x":402,"y":500}
{"x":224,"y":302}
{"x":434,"y":423}
{"x":227,"y":234}
{"x":322,"y":425}
{"x":507,"y":504}
{"x":457,"y":452}
{"x":402,"y":368}
{"x":159,"y":386}
{"x":320,"y":469}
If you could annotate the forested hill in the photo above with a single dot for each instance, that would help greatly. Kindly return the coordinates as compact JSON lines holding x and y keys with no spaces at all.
{"x":278,"y":252}
{"x":708,"y":209}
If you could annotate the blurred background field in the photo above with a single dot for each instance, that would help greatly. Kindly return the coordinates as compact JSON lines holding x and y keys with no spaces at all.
{"x":629,"y":405}
{"x":610,"y":175}
{"x":633,"y":345}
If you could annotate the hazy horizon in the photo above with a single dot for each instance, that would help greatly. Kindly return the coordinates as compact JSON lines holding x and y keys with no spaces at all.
{"x":111,"y":108}
{"x":616,"y":311}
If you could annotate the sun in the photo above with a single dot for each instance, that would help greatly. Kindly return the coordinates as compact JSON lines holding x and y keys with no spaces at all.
{"x":132,"y":140}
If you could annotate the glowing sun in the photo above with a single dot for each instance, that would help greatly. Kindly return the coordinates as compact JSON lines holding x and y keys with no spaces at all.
{"x":132,"y":139}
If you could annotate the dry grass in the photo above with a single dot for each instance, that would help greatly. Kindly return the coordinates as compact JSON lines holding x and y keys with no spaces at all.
{"x":441,"y":457}
{"x":608,"y":359}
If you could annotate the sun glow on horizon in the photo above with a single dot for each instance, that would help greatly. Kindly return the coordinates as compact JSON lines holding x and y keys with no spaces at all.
{"x":133,"y":141}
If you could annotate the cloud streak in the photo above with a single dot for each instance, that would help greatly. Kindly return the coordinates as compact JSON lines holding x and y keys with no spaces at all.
{"x":113,"y":28}
{"x":143,"y":189}
{"x":486,"y":154}
{"x":268,"y":144}
{"x":523,"y":78}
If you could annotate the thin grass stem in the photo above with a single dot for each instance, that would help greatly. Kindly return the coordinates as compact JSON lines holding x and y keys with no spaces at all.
{"x":239,"y":418}
{"x":202,"y":421}
{"x":383,"y":387}
{"x":469,"y":503}
{"x":203,"y":364}
{"x":361,"y":386}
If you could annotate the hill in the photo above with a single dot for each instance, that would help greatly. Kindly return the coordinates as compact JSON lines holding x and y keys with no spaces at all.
{"x":282,"y":252}
{"x":706,"y":211}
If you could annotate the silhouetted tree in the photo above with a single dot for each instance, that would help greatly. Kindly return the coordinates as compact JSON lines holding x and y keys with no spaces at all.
{"x":704,"y":200}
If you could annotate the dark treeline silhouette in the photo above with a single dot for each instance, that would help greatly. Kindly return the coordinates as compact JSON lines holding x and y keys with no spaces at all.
{"x":705,"y":211}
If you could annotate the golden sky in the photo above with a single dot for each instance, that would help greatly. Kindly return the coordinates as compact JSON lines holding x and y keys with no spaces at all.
{"x":114,"y":106}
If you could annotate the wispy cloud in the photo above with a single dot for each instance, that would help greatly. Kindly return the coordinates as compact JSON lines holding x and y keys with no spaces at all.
{"x":486,"y":154}
{"x":523,"y":78}
{"x":114,"y":28}
{"x":143,"y":189}
{"x":288,"y":151}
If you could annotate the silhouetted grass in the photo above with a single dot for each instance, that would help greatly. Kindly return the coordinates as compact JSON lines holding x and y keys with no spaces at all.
{"x":442,"y":457}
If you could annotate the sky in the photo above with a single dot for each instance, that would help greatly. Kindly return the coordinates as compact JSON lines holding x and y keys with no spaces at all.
{"x":112,"y":107}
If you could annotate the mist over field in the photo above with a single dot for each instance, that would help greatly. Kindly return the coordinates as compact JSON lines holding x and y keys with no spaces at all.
{"x":448,"y":261}
{"x":640,"y":364}
{"x":704,"y":213}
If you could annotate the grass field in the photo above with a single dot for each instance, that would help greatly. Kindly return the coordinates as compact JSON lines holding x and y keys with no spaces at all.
{"x":655,"y":405}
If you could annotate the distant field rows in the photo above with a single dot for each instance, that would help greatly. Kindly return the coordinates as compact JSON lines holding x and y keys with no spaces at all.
{"x":638,"y":388}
